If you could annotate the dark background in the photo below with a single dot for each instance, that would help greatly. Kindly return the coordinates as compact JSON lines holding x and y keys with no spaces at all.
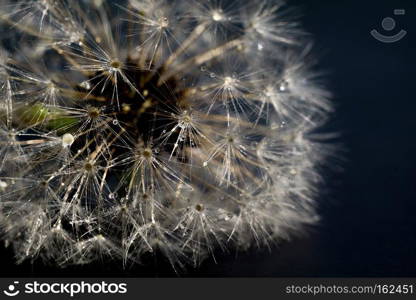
{"x":368,"y":223}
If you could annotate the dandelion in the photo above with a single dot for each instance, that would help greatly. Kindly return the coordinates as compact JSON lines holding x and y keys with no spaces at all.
{"x":178,"y":128}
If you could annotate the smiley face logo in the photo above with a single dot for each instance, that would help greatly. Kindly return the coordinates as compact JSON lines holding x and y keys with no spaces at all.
{"x":11,"y":290}
{"x":389,"y":24}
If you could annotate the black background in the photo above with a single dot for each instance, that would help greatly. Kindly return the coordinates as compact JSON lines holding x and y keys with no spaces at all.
{"x":368,"y":223}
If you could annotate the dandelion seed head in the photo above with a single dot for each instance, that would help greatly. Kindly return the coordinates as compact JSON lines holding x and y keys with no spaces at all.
{"x":130,"y":128}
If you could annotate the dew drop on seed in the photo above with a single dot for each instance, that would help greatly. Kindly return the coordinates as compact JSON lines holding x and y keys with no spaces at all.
{"x":85,"y":84}
{"x":67,"y":140}
{"x":3,"y":185}
{"x":260,"y":46}
{"x":284,"y":86}
{"x":164,"y":22}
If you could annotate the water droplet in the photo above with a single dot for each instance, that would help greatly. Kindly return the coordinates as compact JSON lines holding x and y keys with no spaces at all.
{"x":217,"y":15}
{"x":203,"y":68}
{"x":284,"y":85}
{"x":164,"y":22}
{"x":227,"y":217}
{"x":3,"y":185}
{"x":205,"y":163}
{"x":67,"y":140}
{"x":260,"y":46}
{"x":115,"y":122}
{"x":212,"y":75}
